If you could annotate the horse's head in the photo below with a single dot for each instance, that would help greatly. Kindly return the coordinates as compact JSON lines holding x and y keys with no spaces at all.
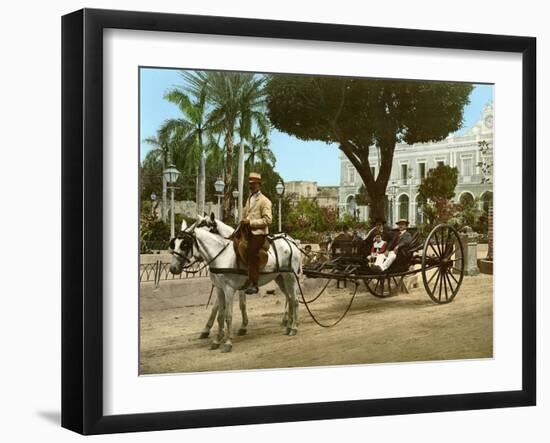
{"x":209,"y":223}
{"x":182,"y":248}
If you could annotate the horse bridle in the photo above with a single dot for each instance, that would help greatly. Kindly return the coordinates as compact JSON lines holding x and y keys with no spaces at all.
{"x":187,"y":236}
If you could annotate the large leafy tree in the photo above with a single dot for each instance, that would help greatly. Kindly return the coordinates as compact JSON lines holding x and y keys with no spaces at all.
{"x":363,"y":114}
{"x":436,"y":191}
{"x":440,"y":182}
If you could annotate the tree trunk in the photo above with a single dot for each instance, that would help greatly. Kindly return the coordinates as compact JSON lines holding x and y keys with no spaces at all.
{"x":377,"y":206}
{"x":241,"y":179}
{"x":228,"y":179}
{"x":201,"y":185}
{"x":376,"y":189}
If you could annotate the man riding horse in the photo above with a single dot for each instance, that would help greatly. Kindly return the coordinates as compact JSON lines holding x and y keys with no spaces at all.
{"x":257,"y":217}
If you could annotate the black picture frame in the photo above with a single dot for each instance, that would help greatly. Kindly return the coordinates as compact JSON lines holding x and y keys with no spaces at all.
{"x":82,"y":215}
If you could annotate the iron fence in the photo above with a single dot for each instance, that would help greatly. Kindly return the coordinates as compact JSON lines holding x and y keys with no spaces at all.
{"x":159,"y":270}
{"x":154,"y":246}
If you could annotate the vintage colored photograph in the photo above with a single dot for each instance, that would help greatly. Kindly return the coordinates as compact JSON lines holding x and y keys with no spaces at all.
{"x":292,"y":220}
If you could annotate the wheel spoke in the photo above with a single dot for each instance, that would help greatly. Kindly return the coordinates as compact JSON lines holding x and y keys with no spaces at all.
{"x":449,"y":244}
{"x":436,"y":281}
{"x":447,"y":250}
{"x":454,"y":278}
{"x":432,"y":277}
{"x":457,"y":270}
{"x":450,"y":284}
{"x":440,"y":285}
{"x":445,"y":283}
{"x":451,"y":252}
{"x":443,"y":242}
{"x":433,"y":249}
{"x":437,"y":244}
{"x":377,"y":284}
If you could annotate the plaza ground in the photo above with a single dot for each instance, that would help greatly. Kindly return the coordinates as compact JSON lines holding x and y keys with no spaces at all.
{"x":406,"y":327}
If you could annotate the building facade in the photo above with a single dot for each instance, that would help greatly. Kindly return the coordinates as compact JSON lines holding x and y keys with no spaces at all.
{"x":411,"y":164}
{"x":326,"y":196}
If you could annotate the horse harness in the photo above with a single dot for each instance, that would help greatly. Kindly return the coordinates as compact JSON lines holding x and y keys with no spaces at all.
{"x":271,"y":239}
{"x":188,"y":240}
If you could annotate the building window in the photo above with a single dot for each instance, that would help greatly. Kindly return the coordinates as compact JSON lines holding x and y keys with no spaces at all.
{"x":467,"y":166}
{"x":404,"y":207}
{"x":440,"y":162}
{"x":404,"y":172}
{"x":351,"y":174}
{"x":422,"y":170}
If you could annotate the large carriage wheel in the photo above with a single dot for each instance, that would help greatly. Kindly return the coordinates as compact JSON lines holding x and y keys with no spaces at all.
{"x":384,"y":285}
{"x":443,"y":257}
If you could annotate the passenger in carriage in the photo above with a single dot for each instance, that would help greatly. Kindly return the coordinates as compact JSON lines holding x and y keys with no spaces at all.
{"x":398,"y":247}
{"x":377,"y":254}
{"x":383,"y":230}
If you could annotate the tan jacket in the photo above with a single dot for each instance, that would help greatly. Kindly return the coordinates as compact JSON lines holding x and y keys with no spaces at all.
{"x":259,"y":214}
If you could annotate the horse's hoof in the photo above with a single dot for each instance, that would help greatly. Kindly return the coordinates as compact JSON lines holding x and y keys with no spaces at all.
{"x":241,"y":331}
{"x":292,"y":332}
{"x":214,"y":346}
{"x":287,"y":331}
{"x":204,"y":335}
{"x":227,"y":348}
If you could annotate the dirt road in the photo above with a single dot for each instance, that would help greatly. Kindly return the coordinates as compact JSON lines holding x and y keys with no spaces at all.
{"x":406,"y":327}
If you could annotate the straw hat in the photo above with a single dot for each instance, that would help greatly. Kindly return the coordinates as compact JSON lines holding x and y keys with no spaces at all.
{"x":254,"y":177}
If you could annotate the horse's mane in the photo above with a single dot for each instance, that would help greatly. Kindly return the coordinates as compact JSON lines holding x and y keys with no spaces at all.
{"x":218,"y":238}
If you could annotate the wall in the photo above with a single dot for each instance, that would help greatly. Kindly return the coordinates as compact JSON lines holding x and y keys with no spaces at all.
{"x":30,"y":326}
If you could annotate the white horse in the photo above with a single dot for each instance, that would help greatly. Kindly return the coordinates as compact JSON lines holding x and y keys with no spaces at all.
{"x":219,"y":227}
{"x":284,"y":262}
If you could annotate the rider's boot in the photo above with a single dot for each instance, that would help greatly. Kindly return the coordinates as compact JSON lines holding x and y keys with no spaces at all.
{"x":252,"y":289}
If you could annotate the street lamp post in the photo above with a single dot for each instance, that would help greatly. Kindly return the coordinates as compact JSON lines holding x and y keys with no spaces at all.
{"x":171,"y":175}
{"x":219,"y":186}
{"x":153,"y":200}
{"x":392,"y":191}
{"x":411,"y":199}
{"x":353,"y":208}
{"x":235,"y":209}
{"x":280,"y":189}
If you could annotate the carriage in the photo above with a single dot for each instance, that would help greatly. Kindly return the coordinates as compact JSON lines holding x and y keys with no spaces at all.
{"x":439,"y":258}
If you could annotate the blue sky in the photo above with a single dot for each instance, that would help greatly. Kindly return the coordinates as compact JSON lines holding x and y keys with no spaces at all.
{"x":296,"y":159}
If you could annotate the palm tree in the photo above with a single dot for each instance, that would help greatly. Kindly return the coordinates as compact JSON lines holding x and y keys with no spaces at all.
{"x":258,"y":151}
{"x":162,"y":152}
{"x":161,"y":148}
{"x":191,"y":136}
{"x":252,"y":113}
{"x":238,"y":101}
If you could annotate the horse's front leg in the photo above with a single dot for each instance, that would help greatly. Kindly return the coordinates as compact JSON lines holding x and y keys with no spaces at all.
{"x":220,"y":301}
{"x":228,"y":338}
{"x":244,"y":315}
{"x":206,"y":331}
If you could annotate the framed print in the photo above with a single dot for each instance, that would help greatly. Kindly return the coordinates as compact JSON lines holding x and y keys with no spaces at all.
{"x":269,"y":221}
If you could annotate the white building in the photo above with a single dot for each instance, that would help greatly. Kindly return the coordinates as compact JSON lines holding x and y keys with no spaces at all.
{"x":411,"y":164}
